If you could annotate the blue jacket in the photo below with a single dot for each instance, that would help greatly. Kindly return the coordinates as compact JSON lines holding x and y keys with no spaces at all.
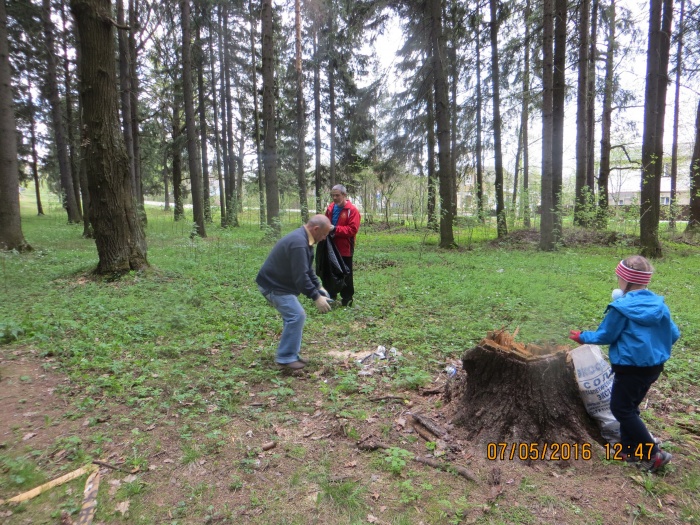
{"x":288,"y":268}
{"x":638,"y":328}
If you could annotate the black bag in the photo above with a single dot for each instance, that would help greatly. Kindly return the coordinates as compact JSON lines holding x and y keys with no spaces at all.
{"x":330,"y":267}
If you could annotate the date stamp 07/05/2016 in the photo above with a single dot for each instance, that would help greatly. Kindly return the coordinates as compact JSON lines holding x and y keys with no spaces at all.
{"x":538,"y":451}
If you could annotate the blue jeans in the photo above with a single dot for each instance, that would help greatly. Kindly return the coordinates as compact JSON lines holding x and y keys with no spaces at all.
{"x":628,"y":392}
{"x":293,"y":316}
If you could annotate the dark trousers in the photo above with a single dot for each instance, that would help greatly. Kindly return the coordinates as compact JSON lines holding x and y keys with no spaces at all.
{"x":628,"y":392}
{"x":348,"y":289}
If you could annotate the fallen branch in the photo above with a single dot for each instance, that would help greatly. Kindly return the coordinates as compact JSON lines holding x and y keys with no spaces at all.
{"x":422,"y":432}
{"x":110,"y":466}
{"x":87,"y":511}
{"x":431,"y":425}
{"x":445,"y":467}
{"x":388,"y":398}
{"x":51,"y":484}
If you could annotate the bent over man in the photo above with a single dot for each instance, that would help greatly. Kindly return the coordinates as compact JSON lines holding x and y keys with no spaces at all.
{"x":288,"y":272}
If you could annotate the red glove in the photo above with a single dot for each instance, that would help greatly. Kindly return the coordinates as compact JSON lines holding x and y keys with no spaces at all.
{"x":575,"y":335}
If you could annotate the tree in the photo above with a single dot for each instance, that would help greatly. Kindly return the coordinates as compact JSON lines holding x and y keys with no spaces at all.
{"x":301,"y":116}
{"x":524,"y":119}
{"x":67,"y":186}
{"x":11,"y":236}
{"x":121,"y":245}
{"x":256,"y":114}
{"x":676,"y":111}
{"x":582,"y":115}
{"x":693,"y":226}
{"x":269,"y":125}
{"x":442,"y":119}
{"x":658,"y":51}
{"x":194,"y":160}
{"x":558,"y":106}
{"x":547,"y":238}
{"x":500,"y":206}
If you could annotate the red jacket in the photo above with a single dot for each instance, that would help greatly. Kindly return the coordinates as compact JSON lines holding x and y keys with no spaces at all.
{"x":346,"y":229}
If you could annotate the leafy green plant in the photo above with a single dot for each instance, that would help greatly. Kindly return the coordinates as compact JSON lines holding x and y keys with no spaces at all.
{"x":396,"y":459}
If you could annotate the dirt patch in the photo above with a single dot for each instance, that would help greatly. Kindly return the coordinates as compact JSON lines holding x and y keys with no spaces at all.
{"x":572,"y":237}
{"x":315,"y":472}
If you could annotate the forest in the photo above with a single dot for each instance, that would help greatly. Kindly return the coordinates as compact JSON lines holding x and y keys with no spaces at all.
{"x":233,"y":105}
{"x":505,"y":157}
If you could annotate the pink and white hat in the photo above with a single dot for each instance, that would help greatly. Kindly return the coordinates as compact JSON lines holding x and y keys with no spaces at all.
{"x":631,"y":275}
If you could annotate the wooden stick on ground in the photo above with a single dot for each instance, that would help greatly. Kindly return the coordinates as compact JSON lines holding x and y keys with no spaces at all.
{"x":51,"y":484}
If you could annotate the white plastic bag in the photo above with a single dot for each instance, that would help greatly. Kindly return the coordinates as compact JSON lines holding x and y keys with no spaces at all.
{"x":595,"y":380}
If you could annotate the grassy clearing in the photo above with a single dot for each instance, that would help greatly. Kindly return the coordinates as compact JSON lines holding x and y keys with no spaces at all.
{"x":170,"y":374}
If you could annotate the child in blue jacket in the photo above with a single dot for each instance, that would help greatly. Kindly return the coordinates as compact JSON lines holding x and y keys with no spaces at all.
{"x":639,"y":329}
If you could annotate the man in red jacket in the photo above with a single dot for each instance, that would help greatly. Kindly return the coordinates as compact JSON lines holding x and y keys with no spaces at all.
{"x":346,"y":219}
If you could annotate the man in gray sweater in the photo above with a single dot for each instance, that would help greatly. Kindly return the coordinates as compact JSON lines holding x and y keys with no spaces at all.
{"x":287,"y":272}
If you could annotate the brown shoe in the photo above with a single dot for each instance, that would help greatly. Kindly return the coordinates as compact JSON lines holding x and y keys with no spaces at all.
{"x":294,"y":365}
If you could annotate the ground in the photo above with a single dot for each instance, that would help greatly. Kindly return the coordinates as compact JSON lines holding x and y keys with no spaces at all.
{"x":315,"y":473}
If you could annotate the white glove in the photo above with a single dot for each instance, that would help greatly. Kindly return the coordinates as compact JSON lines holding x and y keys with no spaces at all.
{"x":322,"y":304}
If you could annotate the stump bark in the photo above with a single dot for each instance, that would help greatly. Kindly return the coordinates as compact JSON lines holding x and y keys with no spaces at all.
{"x":514,"y":393}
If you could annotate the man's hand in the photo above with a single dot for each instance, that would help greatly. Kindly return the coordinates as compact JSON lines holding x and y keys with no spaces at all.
{"x":324,"y":292}
{"x":322,"y":304}
{"x":575,"y":335}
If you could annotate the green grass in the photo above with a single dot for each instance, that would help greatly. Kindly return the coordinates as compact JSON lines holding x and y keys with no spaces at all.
{"x":188,"y":345}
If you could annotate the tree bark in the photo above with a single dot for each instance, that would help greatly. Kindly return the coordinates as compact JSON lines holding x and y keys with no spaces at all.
{"x":269,"y":123}
{"x":479,"y":147}
{"x":225,"y":196}
{"x":125,"y":95}
{"x":591,"y":92}
{"x":604,"y":173}
{"x":231,"y":192}
{"x":178,"y":204}
{"x":654,"y":110}
{"x":318,"y":182}
{"x":514,"y":393}
{"x":301,"y":117}
{"x":582,"y":204}
{"x":119,"y":237}
{"x":256,"y":119}
{"x":559,"y":105}
{"x":693,"y":226}
{"x":194,"y":161}
{"x":501,"y":224}
{"x":442,"y":118}
{"x":203,"y":141}
{"x":432,"y":176}
{"x":11,"y":236}
{"x":215,"y":111}
{"x":676,"y":111}
{"x":330,"y":50}
{"x":524,"y":120}
{"x":33,"y":142}
{"x":547,"y":238}
{"x":134,"y":93}
{"x":59,"y":130}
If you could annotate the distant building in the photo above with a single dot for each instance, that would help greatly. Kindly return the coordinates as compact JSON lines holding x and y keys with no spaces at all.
{"x":625,"y":188}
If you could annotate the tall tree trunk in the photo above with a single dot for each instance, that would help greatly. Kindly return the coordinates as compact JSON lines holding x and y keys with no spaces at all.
{"x":164,"y":151}
{"x":301,"y":117}
{"x":241,"y":152}
{"x":501,"y":224}
{"x":269,"y":123}
{"x":693,"y":226}
{"x":676,"y":110}
{"x":119,"y":236}
{"x":432,"y":175}
{"x":547,"y":237}
{"x":134,"y":93}
{"x":604,"y":173}
{"x":479,"y":154}
{"x":11,"y":236}
{"x":582,"y":204}
{"x":194,"y":161}
{"x":592,"y":61}
{"x":654,"y":110}
{"x":88,"y":230}
{"x":32,"y":137}
{"x":256,"y":119}
{"x":178,"y":204}
{"x":331,"y":92}
{"x":559,"y":104}
{"x":125,"y":96}
{"x":454,"y":81}
{"x":204,"y":143}
{"x":59,"y":131}
{"x":524,"y":121}
{"x":215,"y":110}
{"x":442,"y":118}
{"x":231,"y":192}
{"x":70,"y":124}
{"x":516,"y":172}
{"x":225,"y":197}
{"x":317,"y":119}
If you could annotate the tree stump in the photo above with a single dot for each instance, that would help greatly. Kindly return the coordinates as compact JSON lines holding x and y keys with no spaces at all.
{"x":516,"y":393}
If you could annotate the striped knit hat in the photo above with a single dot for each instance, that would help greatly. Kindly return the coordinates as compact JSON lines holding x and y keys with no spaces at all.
{"x":631,"y":275}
